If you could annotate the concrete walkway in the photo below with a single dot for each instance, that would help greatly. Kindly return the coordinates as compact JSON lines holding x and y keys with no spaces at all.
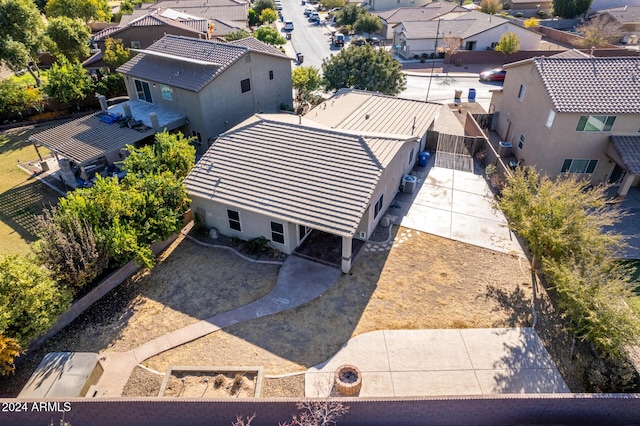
{"x":413,"y":363}
{"x":299,"y":281}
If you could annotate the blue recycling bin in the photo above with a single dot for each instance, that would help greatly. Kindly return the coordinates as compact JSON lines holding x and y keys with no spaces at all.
{"x":424,"y":158}
{"x":472,"y":95}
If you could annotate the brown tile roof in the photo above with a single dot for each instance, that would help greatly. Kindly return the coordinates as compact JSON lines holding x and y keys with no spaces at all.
{"x":599,"y":85}
{"x":213,"y":58}
{"x":624,"y":14}
{"x":628,"y":148}
{"x":256,"y":45}
{"x":315,"y":177}
{"x":153,"y":20}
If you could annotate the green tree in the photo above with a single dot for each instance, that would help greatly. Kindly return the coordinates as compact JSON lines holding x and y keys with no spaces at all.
{"x":261,"y":5}
{"x":531,"y":22}
{"x":70,"y":36}
{"x":490,"y":6}
{"x":237,"y":35}
{"x":67,"y":81}
{"x":598,"y":32}
{"x":169,"y":153}
{"x":349,"y":14}
{"x":367,"y":23}
{"x":508,"y":44}
{"x":30,"y":300}
{"x":564,"y":8}
{"x":15,"y":98}
{"x":115,"y":54}
{"x":268,"y":16}
{"x":21,"y":35}
{"x":332,"y":4}
{"x":87,"y":10}
{"x":366,"y":68}
{"x":252,"y":17}
{"x":269,"y":35}
{"x":305,"y":80}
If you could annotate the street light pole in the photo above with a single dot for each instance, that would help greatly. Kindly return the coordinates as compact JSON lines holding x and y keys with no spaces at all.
{"x":433,"y":60}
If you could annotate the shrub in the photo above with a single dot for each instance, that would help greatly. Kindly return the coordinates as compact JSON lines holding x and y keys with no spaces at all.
{"x":415,"y":56}
{"x":425,"y":55}
{"x":519,"y":15}
{"x":256,"y":246}
{"x":542,"y":14}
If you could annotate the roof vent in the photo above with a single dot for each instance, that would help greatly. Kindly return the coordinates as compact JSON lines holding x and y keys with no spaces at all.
{"x":366,"y":117}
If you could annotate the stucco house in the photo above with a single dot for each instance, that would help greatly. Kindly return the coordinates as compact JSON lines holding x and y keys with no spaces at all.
{"x":428,"y":12}
{"x":529,"y":7}
{"x":478,"y":31}
{"x":626,"y":19}
{"x":377,"y":5}
{"x":572,"y":113}
{"x":215,"y":85}
{"x":231,"y":12}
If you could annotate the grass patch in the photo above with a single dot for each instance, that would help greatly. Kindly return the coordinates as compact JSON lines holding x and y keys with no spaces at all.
{"x":26,"y":79}
{"x":22,"y":197}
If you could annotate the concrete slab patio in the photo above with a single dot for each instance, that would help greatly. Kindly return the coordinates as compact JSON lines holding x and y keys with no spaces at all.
{"x":411,"y":363}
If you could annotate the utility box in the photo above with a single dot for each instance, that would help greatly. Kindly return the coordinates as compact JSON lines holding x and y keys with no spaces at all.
{"x":504,"y":149}
{"x":409,"y":184}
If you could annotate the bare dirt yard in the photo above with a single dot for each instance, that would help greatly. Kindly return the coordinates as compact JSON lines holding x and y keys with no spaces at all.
{"x":420,"y":281}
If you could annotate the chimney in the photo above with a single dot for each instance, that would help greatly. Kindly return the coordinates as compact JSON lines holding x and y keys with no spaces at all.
{"x":154,"y":121}
{"x":127,"y":110}
{"x":103,"y":102}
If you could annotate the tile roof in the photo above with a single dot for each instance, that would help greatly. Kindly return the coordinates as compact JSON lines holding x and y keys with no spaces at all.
{"x":256,"y":45}
{"x":467,"y":25}
{"x":628,"y":148}
{"x":362,"y":111}
{"x":225,"y":10}
{"x":87,"y":138}
{"x":594,"y":85}
{"x":315,"y":177}
{"x":153,"y":20}
{"x":424,"y":13}
{"x":189,"y":75}
{"x":624,"y":14}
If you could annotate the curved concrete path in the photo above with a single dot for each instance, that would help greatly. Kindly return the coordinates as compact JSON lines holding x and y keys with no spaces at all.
{"x":290,"y":291}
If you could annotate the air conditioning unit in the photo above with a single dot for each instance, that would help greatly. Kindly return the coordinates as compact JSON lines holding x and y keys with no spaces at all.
{"x":363,"y":235}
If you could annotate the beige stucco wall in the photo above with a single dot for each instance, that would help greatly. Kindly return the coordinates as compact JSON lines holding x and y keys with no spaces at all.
{"x":547,"y":148}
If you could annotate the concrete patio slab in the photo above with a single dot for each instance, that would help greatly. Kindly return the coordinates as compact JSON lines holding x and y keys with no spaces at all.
{"x":442,"y":362}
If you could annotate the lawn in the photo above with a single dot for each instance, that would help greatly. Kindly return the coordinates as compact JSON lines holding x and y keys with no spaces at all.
{"x":26,"y":79}
{"x":22,"y":197}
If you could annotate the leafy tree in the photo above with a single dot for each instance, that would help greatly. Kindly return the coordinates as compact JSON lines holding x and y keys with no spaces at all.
{"x":68,"y":248}
{"x":115,"y":54}
{"x":237,"y":35}
{"x":111,"y":85}
{"x":87,"y":10}
{"x":332,"y":4}
{"x":15,"y":98}
{"x":268,"y":15}
{"x":252,"y":17}
{"x":490,"y":6}
{"x":9,"y":350}
{"x":598,"y":32}
{"x":508,"y":44}
{"x":367,"y":23}
{"x":565,"y":8}
{"x":269,"y":35}
{"x":349,"y":14}
{"x":582,"y":6}
{"x":261,"y":5}
{"x":531,"y":22}
{"x":67,"y":81}
{"x":21,"y":35}
{"x":305,"y":81}
{"x":170,"y":153}
{"x":70,"y":36}
{"x":366,"y":68}
{"x":30,"y":302}
{"x":450,"y":45}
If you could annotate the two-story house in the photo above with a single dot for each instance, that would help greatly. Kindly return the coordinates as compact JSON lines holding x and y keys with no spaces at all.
{"x":215,"y":85}
{"x":573,"y":113}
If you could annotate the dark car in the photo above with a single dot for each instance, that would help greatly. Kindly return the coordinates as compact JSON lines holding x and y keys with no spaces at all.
{"x":496,"y":74}
{"x":360,"y":41}
{"x":374,"y":41}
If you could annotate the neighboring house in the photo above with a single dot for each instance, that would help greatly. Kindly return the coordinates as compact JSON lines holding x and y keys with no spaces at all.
{"x":431,"y":11}
{"x":232,"y":12}
{"x":478,"y":31}
{"x":215,"y":85}
{"x":378,"y":5}
{"x":571,"y":113}
{"x":529,"y":7}
{"x":282,"y":180}
{"x":626,"y":19}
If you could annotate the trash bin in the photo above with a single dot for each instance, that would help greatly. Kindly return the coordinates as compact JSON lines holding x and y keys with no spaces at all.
{"x":300,"y":57}
{"x":424,"y":158}
{"x":472,"y":95}
{"x":458,"y":94}
{"x":288,"y":36}
{"x":504,"y":149}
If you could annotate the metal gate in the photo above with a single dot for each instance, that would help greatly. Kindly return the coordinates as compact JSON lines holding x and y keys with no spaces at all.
{"x":454,"y":152}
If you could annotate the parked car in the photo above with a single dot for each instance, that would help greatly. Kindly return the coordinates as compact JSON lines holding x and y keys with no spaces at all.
{"x":337,"y":39}
{"x":309,"y":10}
{"x":374,"y":41}
{"x":359,"y":41}
{"x":314,"y":17}
{"x":278,"y":5}
{"x":496,"y":74}
{"x":288,"y":25}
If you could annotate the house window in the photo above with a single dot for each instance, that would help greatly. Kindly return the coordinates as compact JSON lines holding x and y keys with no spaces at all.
{"x":245,"y":85}
{"x":197,"y":135}
{"x":521,"y":142}
{"x":142,"y":88}
{"x":578,"y":166}
{"x":595,"y":123}
{"x":552,"y":115}
{"x":493,"y":45}
{"x":378,"y":206}
{"x":470,"y":45}
{"x":167,"y":92}
{"x":234,"y":220}
{"x":277,"y":232}
{"x":135,"y":45}
{"x":303,"y":231}
{"x":521,"y":92}
{"x":270,"y":75}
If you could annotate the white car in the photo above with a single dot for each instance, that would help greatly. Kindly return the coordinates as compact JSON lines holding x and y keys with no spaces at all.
{"x":309,"y":10}
{"x":288,"y":25}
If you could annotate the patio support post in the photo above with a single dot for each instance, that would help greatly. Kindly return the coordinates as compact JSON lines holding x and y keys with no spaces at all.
{"x":347,"y":252}
{"x":623,"y":190}
{"x":37,"y":151}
